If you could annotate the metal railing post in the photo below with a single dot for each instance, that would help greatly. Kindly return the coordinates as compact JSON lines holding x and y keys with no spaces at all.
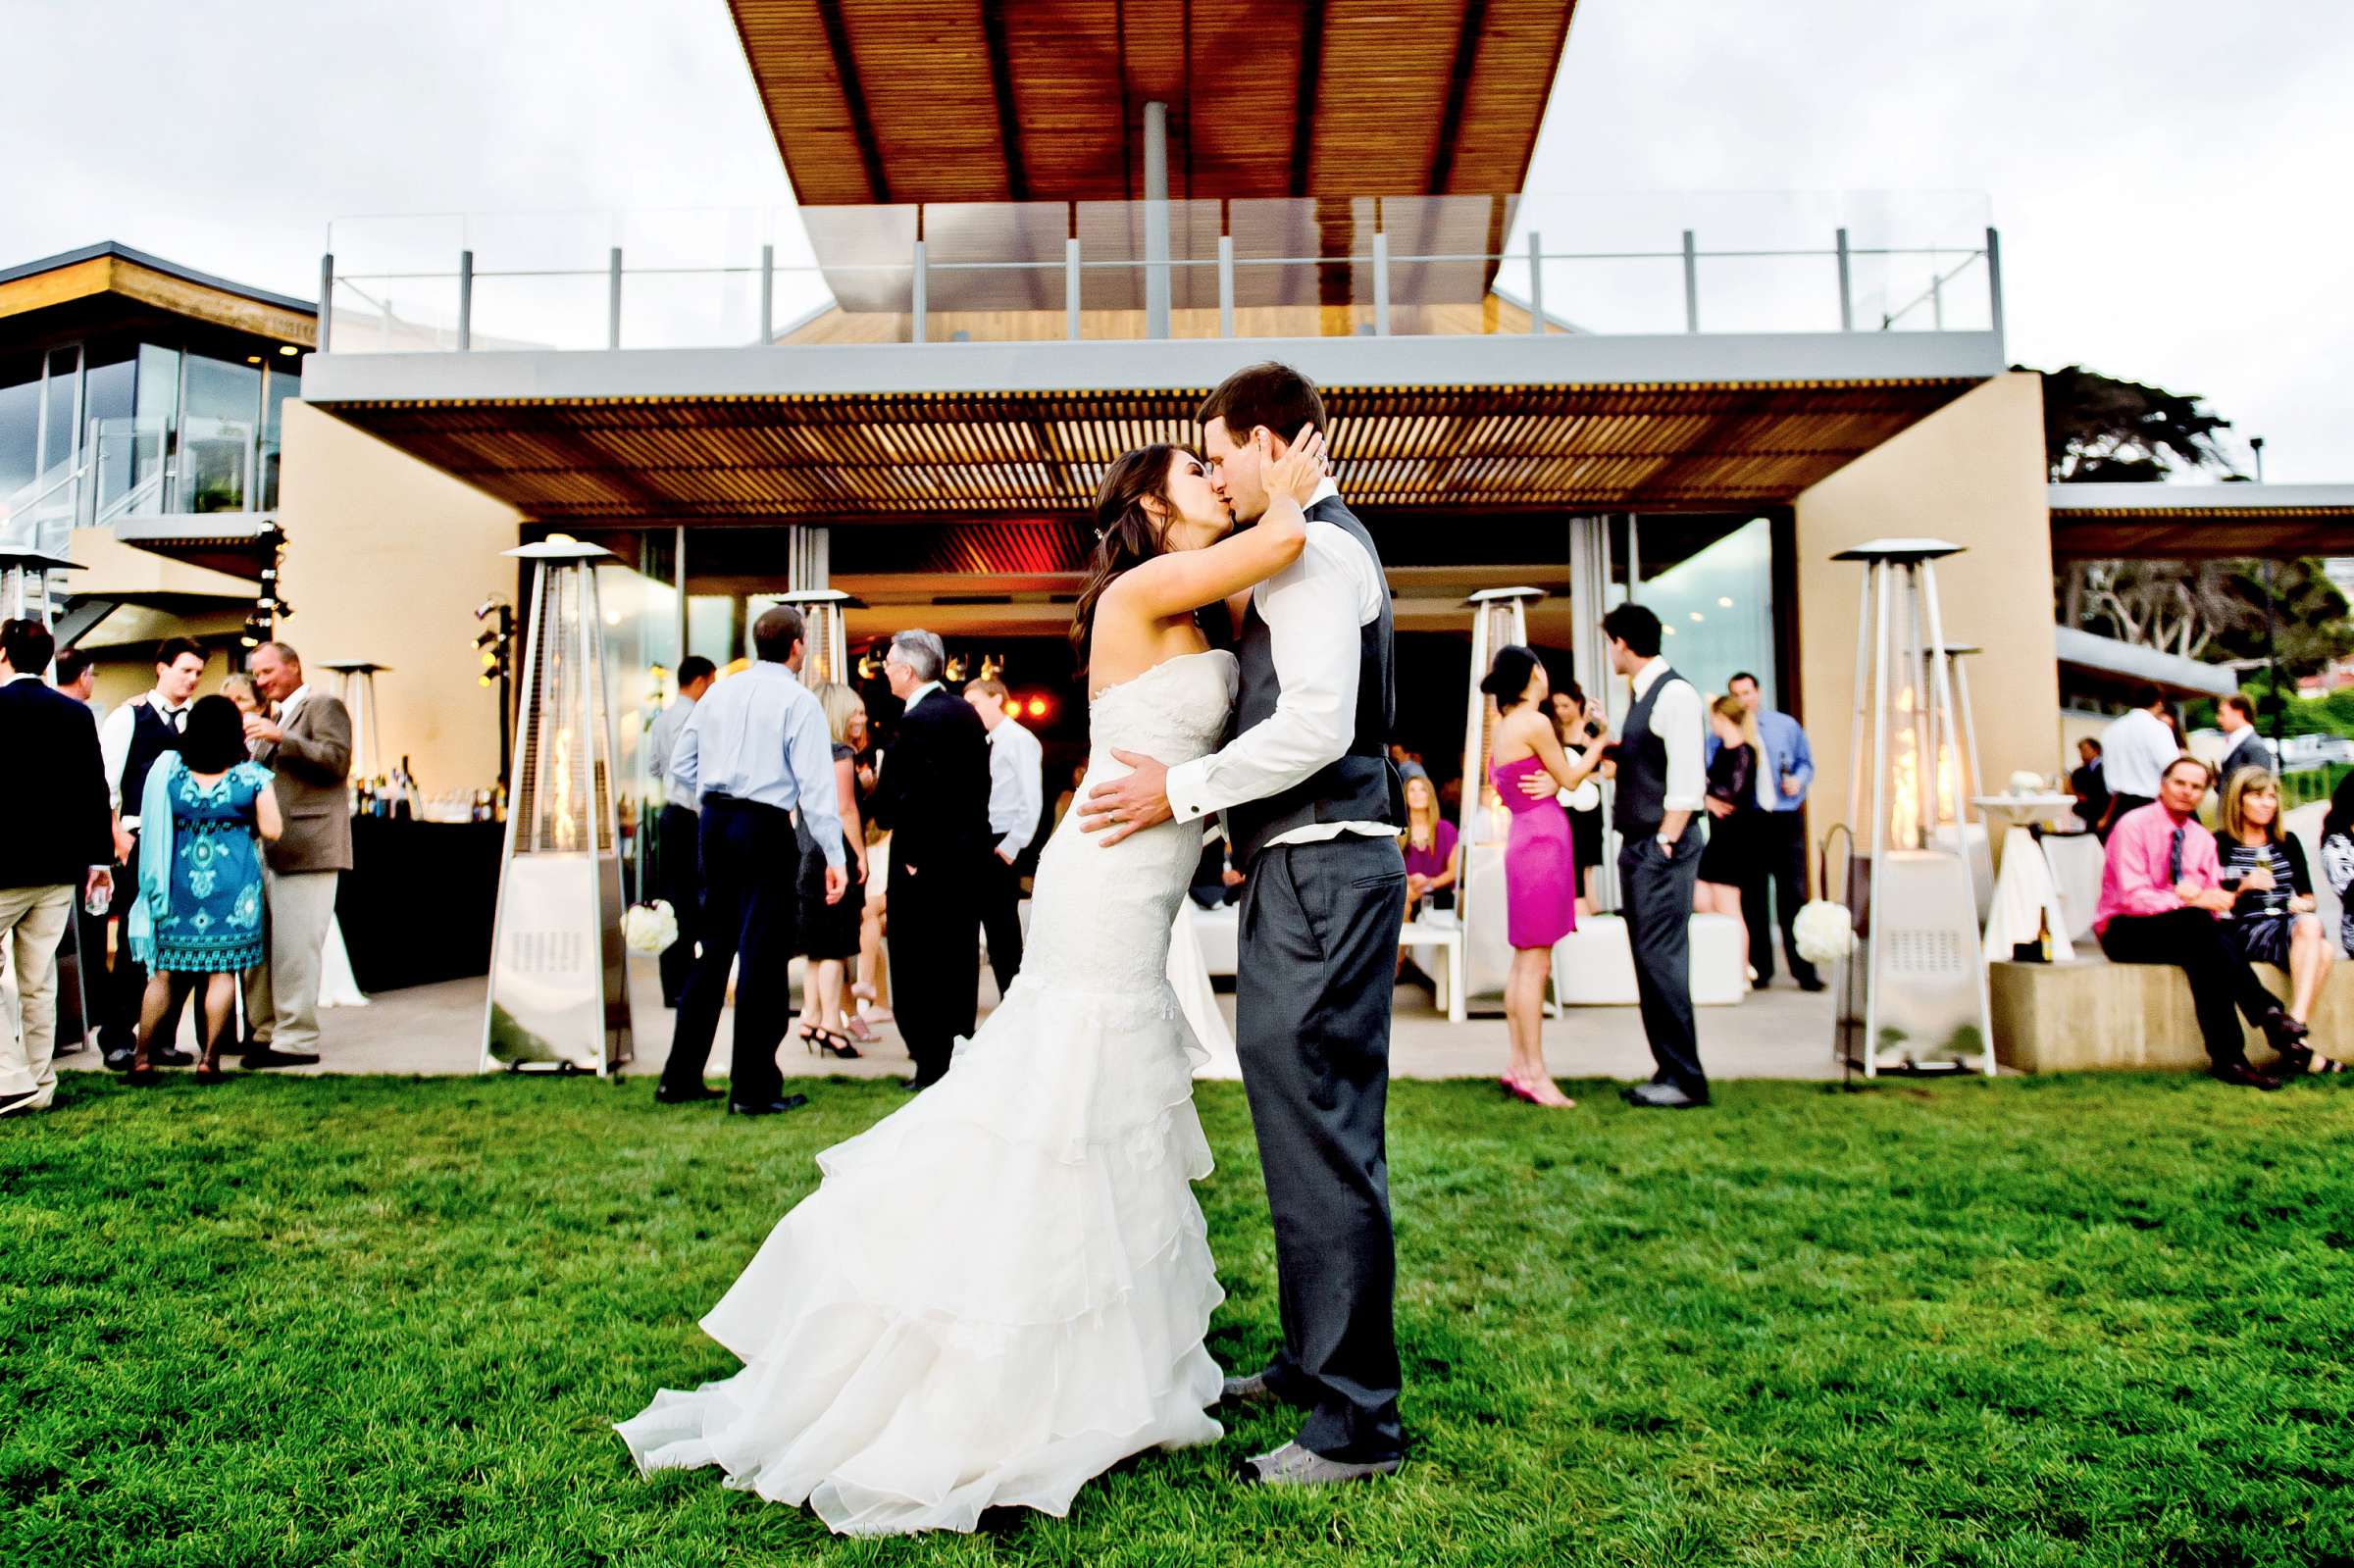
{"x":1994,"y":281}
{"x":1936,"y":297}
{"x":768,"y":295}
{"x":918,"y":305}
{"x":1691,"y":284}
{"x":1381,"y":282}
{"x":613,"y":298}
{"x":1071,"y":288}
{"x":1847,"y":294}
{"x":1536,"y":283}
{"x":1225,"y":285}
{"x":465,"y":300}
{"x":327,"y":296}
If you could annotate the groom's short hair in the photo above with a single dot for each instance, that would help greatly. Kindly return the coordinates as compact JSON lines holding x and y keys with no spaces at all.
{"x":1271,"y":394}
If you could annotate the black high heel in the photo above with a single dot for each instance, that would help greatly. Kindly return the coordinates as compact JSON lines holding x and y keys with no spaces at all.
{"x":832,"y":1044}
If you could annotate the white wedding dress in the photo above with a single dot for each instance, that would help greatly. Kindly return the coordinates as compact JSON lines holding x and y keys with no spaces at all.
{"x":1001,"y":1288}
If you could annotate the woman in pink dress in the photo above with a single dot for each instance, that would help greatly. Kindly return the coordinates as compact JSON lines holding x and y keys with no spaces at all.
{"x":1540,"y":863}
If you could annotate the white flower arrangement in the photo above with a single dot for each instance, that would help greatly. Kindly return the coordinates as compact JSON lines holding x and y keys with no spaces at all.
{"x":649,"y":929}
{"x":1825,"y":932}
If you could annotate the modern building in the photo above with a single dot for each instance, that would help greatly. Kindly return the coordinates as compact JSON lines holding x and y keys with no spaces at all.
{"x":142,"y":409}
{"x":1028,"y":238}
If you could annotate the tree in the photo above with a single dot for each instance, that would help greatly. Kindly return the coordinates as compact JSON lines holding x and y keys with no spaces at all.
{"x":2098,"y":429}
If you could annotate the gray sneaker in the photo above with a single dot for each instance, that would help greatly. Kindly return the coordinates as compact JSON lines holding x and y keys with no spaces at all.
{"x":1294,"y":1466}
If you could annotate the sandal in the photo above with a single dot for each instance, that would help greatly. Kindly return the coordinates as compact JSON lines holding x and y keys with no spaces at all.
{"x":855,"y":1025}
{"x":832,"y":1044}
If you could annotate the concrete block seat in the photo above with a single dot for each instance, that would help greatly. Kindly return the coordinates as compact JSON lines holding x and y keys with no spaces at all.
{"x":1594,"y":966}
{"x":2093,"y":1015}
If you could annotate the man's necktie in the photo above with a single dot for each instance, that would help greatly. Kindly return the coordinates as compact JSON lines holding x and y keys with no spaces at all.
{"x":2174,"y":856}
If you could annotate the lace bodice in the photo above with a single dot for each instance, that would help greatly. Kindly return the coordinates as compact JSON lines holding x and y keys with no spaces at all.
{"x":1100,"y":918}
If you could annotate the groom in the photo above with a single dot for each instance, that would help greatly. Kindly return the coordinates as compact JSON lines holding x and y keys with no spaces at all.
{"x":1314,"y":808}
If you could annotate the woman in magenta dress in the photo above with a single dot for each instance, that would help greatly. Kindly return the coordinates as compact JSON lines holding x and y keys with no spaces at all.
{"x":1540,"y":862}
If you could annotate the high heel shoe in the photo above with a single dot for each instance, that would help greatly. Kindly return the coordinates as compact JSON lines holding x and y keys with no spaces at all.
{"x":832,"y":1044}
{"x":855,"y":1026}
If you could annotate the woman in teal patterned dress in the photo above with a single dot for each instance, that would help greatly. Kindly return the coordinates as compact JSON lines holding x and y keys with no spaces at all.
{"x":200,"y":913}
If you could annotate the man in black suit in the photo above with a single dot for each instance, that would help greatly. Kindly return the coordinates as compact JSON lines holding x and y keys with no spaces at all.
{"x":2244,"y":748}
{"x":933,"y":795}
{"x":56,"y":842}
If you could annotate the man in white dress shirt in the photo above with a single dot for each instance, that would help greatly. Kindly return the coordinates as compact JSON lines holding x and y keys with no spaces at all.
{"x":1663,"y":784}
{"x":1314,"y":808}
{"x":2135,"y":752}
{"x":1016,"y":796}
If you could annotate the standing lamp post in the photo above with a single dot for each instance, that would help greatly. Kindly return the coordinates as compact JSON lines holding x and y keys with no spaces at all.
{"x":1498,"y":620}
{"x":1913,"y":993}
{"x":558,"y":993}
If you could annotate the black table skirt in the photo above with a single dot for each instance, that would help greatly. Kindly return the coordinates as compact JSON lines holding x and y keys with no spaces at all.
{"x":417,"y":905}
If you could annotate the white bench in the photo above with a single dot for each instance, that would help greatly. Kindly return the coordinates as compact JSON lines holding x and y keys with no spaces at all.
{"x":1594,"y":966}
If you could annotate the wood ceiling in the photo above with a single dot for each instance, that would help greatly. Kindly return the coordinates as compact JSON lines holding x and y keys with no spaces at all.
{"x":2201,"y":532}
{"x":886,"y":101}
{"x":970,"y":457}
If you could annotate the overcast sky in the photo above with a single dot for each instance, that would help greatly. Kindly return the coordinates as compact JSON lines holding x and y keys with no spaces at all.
{"x":2170,"y":176}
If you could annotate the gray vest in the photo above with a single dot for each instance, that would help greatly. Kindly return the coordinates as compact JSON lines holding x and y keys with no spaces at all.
{"x":1362,"y":785}
{"x":1642,"y":766}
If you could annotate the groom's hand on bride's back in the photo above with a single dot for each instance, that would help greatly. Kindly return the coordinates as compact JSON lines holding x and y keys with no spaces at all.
{"x":1141,"y":799}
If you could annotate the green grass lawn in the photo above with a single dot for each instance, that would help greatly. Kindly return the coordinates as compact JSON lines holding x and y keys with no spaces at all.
{"x":369,"y":1321}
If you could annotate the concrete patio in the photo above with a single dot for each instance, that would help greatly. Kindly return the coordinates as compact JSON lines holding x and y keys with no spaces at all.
{"x":1782,"y":1033}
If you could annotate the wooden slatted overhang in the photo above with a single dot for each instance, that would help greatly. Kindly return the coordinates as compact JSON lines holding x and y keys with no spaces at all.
{"x":2187,"y":523}
{"x":919,"y":457}
{"x":879,"y":101}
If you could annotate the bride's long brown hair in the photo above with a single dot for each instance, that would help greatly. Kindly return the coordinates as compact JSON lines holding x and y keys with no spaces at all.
{"x":1126,"y":534}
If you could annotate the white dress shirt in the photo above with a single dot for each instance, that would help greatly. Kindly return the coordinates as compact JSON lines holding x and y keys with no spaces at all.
{"x":662,"y":739}
{"x":292,"y":705}
{"x":1016,"y":787}
{"x":1313,"y":609}
{"x":113,"y":745}
{"x":2135,"y":752}
{"x":1676,"y":719}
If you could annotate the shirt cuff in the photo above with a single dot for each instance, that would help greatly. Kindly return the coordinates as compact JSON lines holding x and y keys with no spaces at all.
{"x":1188,"y":783}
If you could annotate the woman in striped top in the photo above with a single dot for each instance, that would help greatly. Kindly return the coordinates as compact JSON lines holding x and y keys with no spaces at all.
{"x":2273,"y":920}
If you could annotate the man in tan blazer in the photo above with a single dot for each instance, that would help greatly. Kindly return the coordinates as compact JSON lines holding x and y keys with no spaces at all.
{"x":306,"y":741}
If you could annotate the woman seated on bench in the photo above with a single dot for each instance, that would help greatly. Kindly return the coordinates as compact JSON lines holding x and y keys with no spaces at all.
{"x":2162,"y":900}
{"x":2273,"y":920}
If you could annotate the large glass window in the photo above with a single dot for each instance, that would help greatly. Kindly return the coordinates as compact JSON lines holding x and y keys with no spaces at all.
{"x":217,"y":432}
{"x":109,"y":390}
{"x":285,"y":382}
{"x":60,"y":407}
{"x":1714,"y":603}
{"x":19,"y":422}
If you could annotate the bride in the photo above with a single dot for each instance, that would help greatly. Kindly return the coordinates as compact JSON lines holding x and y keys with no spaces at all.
{"x":1001,"y":1288}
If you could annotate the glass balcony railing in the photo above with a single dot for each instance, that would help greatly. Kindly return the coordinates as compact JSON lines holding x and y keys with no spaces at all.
{"x":122,"y":470}
{"x":1038,"y":271}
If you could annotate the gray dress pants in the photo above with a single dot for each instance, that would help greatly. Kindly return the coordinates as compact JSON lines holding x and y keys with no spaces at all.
{"x":1318,"y":957}
{"x":1658,"y":927}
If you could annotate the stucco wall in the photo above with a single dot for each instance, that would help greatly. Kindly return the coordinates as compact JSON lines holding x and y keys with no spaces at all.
{"x":386,"y":559}
{"x":1972,"y":473}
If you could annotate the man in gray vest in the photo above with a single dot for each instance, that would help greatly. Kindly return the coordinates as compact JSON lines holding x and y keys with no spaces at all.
{"x":1314,"y":808}
{"x":1661,"y":786}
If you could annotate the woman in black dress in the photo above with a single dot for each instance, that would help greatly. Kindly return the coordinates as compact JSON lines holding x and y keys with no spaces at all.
{"x":1731,"y":856}
{"x":1578,"y":724}
{"x":830,"y":931}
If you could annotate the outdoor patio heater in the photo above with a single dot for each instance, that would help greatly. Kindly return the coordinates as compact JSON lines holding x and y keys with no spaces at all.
{"x":355,"y":688}
{"x":823,"y":613}
{"x":1913,"y":994}
{"x":1498,"y":620}
{"x":27,"y":590}
{"x":558,"y":996}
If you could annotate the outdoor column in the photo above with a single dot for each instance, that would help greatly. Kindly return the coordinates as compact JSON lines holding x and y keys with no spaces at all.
{"x":1589,"y":597}
{"x":1156,"y":220}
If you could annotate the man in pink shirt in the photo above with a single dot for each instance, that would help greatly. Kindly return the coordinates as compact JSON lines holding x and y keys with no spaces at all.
{"x":2162,"y":902}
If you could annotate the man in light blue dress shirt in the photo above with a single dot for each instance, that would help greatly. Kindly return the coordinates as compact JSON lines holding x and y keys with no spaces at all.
{"x":754,"y":752}
{"x":1783,"y":782}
